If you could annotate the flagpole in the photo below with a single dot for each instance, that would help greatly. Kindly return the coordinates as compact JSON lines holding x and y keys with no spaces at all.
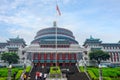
{"x":56,"y":43}
{"x":55,"y":25}
{"x":56,"y":33}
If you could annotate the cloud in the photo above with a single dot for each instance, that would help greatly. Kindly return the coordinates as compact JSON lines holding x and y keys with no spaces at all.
{"x":83,"y":18}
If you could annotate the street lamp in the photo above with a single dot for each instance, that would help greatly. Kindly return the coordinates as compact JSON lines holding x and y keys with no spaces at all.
{"x":100,"y":72}
{"x":9,"y":72}
{"x":24,"y":66}
{"x":85,"y":66}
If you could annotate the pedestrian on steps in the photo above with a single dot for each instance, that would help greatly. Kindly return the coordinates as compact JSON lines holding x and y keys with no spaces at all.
{"x":24,"y":76}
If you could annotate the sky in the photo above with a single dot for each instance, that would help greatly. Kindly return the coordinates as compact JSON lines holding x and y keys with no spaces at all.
{"x":99,"y":18}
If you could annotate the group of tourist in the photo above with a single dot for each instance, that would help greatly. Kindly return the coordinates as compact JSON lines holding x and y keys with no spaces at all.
{"x":40,"y":76}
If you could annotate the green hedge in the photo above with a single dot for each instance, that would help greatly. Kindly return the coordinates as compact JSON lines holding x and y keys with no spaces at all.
{"x":106,"y":78}
{"x":18,"y":75}
{"x":55,"y":70}
{"x":4,"y":72}
{"x":92,"y":75}
{"x":81,"y":68}
{"x":3,"y":78}
{"x":107,"y":73}
{"x":28,"y":69}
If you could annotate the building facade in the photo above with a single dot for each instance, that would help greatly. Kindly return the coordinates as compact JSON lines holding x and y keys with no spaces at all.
{"x":15,"y":45}
{"x":57,"y":46}
{"x":113,"y":49}
{"x":54,"y":46}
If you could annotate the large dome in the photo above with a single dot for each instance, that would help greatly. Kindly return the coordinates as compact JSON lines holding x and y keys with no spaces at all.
{"x":48,"y":35}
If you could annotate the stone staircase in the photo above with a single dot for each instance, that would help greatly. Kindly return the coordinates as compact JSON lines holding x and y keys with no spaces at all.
{"x":71,"y":72}
{"x":78,"y":76}
{"x":39,"y":69}
{"x":74,"y":74}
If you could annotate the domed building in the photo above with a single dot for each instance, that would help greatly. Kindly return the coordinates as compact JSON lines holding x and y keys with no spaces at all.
{"x":54,"y":46}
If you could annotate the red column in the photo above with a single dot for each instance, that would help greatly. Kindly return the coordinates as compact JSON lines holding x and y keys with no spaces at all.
{"x":38,"y":56}
{"x":46,"y":55}
{"x":68,"y":56}
{"x":44,"y":63}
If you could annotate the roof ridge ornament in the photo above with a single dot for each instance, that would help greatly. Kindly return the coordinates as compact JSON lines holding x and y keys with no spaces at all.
{"x":17,"y":36}
{"x":91,"y":37}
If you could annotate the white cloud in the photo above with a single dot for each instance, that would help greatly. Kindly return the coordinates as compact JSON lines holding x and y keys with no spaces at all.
{"x":90,"y":19}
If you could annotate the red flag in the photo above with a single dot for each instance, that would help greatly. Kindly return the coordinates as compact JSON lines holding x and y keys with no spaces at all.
{"x":57,"y":8}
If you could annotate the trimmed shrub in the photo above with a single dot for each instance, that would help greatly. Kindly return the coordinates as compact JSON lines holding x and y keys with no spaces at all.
{"x":18,"y":75}
{"x":55,"y":71}
{"x":3,"y":78}
{"x":28,"y":69}
{"x":92,"y":75}
{"x":81,"y":68}
{"x":106,"y":78}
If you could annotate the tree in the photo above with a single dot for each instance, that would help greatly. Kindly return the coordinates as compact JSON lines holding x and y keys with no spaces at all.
{"x":98,"y":55}
{"x":10,"y":57}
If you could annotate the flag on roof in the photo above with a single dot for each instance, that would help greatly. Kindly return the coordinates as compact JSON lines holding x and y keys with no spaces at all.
{"x":58,"y":10}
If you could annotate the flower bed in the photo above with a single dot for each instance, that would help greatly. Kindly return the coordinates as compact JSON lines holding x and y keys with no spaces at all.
{"x":55,"y":72}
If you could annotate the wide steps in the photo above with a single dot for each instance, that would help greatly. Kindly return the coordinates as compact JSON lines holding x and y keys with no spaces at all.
{"x":78,"y":76}
{"x":72,"y":74}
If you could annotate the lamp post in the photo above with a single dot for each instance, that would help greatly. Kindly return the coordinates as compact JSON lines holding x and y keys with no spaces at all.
{"x":85,"y":66}
{"x":24,"y":66}
{"x":100,"y":72}
{"x":9,"y":72}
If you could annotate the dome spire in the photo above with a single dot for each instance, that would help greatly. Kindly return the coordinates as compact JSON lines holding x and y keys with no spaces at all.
{"x":54,"y":24}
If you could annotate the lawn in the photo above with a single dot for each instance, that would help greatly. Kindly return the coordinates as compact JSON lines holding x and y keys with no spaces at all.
{"x":107,"y":73}
{"x":18,"y":71}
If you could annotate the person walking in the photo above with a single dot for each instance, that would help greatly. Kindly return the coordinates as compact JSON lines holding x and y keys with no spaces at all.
{"x":24,"y":76}
{"x":40,"y":76}
{"x":45,"y":76}
{"x":14,"y":75}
